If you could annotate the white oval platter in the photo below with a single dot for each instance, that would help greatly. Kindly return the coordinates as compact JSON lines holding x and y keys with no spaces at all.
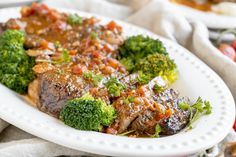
{"x":210,"y":19}
{"x":14,"y":3}
{"x":196,"y":79}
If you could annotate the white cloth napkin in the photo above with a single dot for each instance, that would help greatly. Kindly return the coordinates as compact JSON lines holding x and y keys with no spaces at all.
{"x":155,"y":15}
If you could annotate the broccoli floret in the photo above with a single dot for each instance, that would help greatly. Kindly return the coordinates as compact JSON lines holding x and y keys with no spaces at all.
{"x":15,"y":66}
{"x":138,"y":47}
{"x":158,"y":65}
{"x":87,"y":113}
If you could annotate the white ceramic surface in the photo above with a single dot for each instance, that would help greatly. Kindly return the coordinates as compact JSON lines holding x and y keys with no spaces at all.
{"x":196,"y":79}
{"x":211,"y":19}
{"x":12,"y":3}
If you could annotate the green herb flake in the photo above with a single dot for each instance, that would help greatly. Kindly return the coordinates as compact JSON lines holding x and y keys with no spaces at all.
{"x":207,"y":107}
{"x":95,"y":78}
{"x":115,"y":87}
{"x":65,"y":56}
{"x":184,"y":106}
{"x":142,"y":78}
{"x":60,"y":72}
{"x":158,"y":88}
{"x":157,"y":131}
{"x":93,"y":35}
{"x":198,"y":109}
{"x":74,"y":19}
{"x":129,"y":100}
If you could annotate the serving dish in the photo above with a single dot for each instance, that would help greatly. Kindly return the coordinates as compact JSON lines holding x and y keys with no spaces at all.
{"x":12,"y":3}
{"x":211,"y":19}
{"x":195,"y":79}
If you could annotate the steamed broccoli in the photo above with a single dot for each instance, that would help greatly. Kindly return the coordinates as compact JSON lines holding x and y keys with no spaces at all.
{"x":15,"y":66}
{"x":87,"y":113}
{"x":138,"y":47}
{"x":158,"y":65}
{"x":148,"y":57}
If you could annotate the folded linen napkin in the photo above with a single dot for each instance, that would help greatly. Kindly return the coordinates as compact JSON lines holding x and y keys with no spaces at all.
{"x":155,"y":15}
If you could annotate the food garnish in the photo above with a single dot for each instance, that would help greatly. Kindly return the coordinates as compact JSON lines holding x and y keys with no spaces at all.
{"x":199,"y":108}
{"x":126,"y":80}
{"x":74,"y":19}
{"x":115,"y":87}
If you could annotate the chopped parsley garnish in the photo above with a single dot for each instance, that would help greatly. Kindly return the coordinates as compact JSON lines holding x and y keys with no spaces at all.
{"x":74,"y":19}
{"x":115,"y":87}
{"x":93,"y":35}
{"x":184,"y":106}
{"x":157,"y":131}
{"x":198,"y":109}
{"x":142,"y":78}
{"x":65,"y":56}
{"x":158,"y":88}
{"x":60,"y":72}
{"x":95,"y":78}
{"x":128,"y":100}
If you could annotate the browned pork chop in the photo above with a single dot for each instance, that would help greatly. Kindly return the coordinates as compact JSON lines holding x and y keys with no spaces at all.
{"x":143,"y":119}
{"x":56,"y":87}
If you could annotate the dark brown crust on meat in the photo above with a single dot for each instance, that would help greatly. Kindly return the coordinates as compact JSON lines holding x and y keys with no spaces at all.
{"x":56,"y":88}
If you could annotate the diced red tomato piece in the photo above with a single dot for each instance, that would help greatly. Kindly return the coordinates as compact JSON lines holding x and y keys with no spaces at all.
{"x":234,"y":126}
{"x":76,"y":69}
{"x":112,"y":26}
{"x":228,"y":51}
{"x":233,"y":44}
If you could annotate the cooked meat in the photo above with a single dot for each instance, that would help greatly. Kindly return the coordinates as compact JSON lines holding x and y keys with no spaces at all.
{"x":127,"y":113}
{"x":147,"y":121}
{"x":144,"y":113}
{"x":177,"y":121}
{"x":56,"y":87}
{"x":130,"y":81}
